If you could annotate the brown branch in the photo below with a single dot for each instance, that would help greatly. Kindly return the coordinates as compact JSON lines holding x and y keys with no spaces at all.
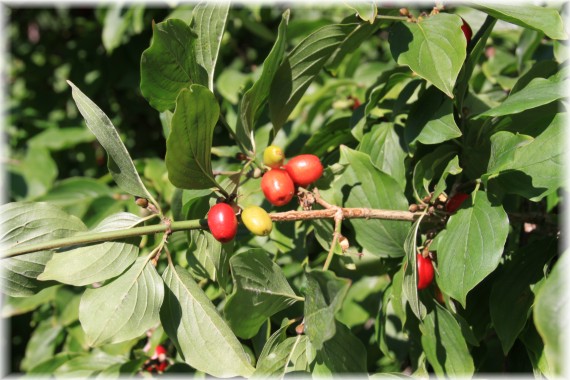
{"x":347,"y":213}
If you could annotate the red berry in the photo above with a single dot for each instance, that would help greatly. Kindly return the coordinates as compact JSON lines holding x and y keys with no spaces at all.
{"x":425,"y":271}
{"x":277,"y":187}
{"x":467,"y":31}
{"x":304,"y":169}
{"x":160,"y":350}
{"x":455,"y":202}
{"x":222,"y":222}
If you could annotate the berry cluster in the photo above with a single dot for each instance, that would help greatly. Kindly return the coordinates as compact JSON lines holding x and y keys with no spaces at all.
{"x":278,"y":186}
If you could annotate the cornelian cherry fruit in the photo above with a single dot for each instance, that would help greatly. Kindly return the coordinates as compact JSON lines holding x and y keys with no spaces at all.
{"x":455,"y":202}
{"x":273,"y":156}
{"x":257,"y":220}
{"x":277,"y":187}
{"x":467,"y":31}
{"x":425,"y":271}
{"x":222,"y":222}
{"x":304,"y":169}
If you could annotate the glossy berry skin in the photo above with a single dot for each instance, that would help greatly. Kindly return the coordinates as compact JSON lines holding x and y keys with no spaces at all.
{"x":222,"y":222}
{"x":304,"y":169}
{"x":425,"y":272}
{"x":277,"y":187}
{"x":455,"y":202}
{"x":160,"y":350}
{"x":273,"y":156}
{"x":257,"y":220}
{"x":467,"y":31}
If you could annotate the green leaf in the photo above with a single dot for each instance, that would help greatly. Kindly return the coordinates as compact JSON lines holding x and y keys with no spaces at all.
{"x":19,"y":274}
{"x":511,"y":296}
{"x":384,"y":146}
{"x":352,"y":42}
{"x":362,"y":185}
{"x":444,"y":344}
{"x":98,"y":262}
{"x":255,"y":98}
{"x":42,"y":343}
{"x":125,"y":308}
{"x":120,"y":164}
{"x":324,"y":295}
{"x":431,"y":120}
{"x":473,"y":59}
{"x":75,"y":195}
{"x":472,"y":246}
{"x":209,"y":21}
{"x":539,"y":161}
{"x":48,"y":367}
{"x":29,"y":223}
{"x":366,"y":10}
{"x":343,"y":353}
{"x":451,"y":168}
{"x":12,"y":306}
{"x":287,"y":356}
{"x":410,"y":280}
{"x":335,"y":132}
{"x":61,"y":138}
{"x":537,"y":93}
{"x":200,"y":334}
{"x":430,"y":167}
{"x":299,"y":69}
{"x":169,"y":64}
{"x":261,"y":290}
{"x":188,"y":147}
{"x":26,"y":223}
{"x":434,"y":48}
{"x":552,"y":302}
{"x":84,"y":366}
{"x":546,"y":20}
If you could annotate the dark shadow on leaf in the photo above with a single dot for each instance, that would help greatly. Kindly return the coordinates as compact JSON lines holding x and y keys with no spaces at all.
{"x":400,"y":34}
{"x":346,"y":189}
{"x":171,"y":316}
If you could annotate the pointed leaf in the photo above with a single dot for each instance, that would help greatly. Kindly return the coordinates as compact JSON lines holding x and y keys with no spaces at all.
{"x":169,"y":64}
{"x":209,"y":21}
{"x":120,"y":163}
{"x":430,"y":167}
{"x":472,"y":246}
{"x":123,"y":309}
{"x":537,"y":93}
{"x":366,"y":10}
{"x":98,"y":262}
{"x":344,"y":353}
{"x":511,"y":296}
{"x":324,"y":295}
{"x":444,"y":344}
{"x":410,"y":281}
{"x":190,"y":141}
{"x":261,"y":290}
{"x":359,"y":186}
{"x":29,"y":223}
{"x":200,"y":334}
{"x":383,"y":145}
{"x":540,"y":160}
{"x":288,"y":356}
{"x":431,"y":120}
{"x":434,"y":48}
{"x":552,"y":302}
{"x":546,"y":20}
{"x":256,"y":97}
{"x":299,"y":69}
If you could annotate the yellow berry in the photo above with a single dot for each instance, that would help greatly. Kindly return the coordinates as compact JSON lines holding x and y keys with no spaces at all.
{"x":257,"y":220}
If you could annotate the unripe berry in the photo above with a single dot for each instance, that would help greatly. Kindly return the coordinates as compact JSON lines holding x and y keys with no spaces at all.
{"x":222,"y":222}
{"x":257,"y":220}
{"x":304,"y":169}
{"x":277,"y":187}
{"x":425,"y":271}
{"x":273,"y":156}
